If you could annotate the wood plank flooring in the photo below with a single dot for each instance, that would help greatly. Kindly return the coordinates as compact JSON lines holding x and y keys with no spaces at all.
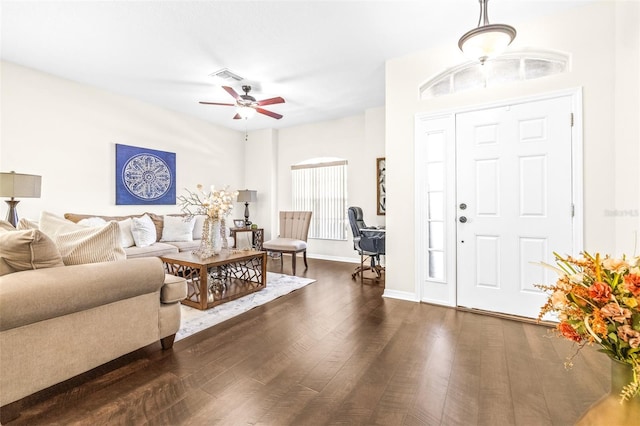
{"x":334,"y":353}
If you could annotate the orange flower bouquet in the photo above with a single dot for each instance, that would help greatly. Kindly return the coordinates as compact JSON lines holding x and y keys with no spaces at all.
{"x":597,"y":301}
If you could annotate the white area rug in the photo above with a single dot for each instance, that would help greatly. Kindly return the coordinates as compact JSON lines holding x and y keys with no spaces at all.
{"x":194,"y":320}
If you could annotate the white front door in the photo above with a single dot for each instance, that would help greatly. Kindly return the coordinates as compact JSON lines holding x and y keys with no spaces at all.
{"x":514,"y":202}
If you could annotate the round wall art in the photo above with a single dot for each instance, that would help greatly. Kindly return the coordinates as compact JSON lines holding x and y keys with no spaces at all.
{"x":144,"y":176}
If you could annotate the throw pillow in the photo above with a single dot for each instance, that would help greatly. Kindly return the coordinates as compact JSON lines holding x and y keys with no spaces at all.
{"x":6,"y":226}
{"x":92,"y":221}
{"x":81,"y":244}
{"x":143,"y":230}
{"x":28,"y":249}
{"x":27,"y":224}
{"x":197,"y":227}
{"x":178,"y":228}
{"x":126,"y":237}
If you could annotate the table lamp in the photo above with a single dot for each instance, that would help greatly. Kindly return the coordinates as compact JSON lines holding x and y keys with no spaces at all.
{"x":13,"y":185}
{"x":247,"y":196}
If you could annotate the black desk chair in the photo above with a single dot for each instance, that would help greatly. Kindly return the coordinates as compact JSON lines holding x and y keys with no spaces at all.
{"x":369,"y":242}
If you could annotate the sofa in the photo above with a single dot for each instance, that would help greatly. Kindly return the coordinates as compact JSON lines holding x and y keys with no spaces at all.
{"x":164,"y":242}
{"x":63,"y":313}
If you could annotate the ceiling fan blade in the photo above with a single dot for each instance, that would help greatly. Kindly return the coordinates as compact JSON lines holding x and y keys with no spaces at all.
{"x":231,"y":92}
{"x":215,"y":103}
{"x":271,"y":101}
{"x":269,"y":113}
{"x":237,"y":117}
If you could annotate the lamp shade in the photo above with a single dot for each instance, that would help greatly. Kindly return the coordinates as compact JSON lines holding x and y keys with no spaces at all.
{"x":20,"y":185}
{"x":247,"y":196}
{"x":487,"y":41}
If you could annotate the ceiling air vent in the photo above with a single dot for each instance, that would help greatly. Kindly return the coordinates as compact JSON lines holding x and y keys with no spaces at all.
{"x":225,"y":74}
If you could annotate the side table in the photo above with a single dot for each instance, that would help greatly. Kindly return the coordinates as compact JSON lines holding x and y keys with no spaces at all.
{"x":256,"y":240}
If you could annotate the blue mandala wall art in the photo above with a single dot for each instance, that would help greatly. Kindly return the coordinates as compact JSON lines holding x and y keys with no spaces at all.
{"x":145,"y":176}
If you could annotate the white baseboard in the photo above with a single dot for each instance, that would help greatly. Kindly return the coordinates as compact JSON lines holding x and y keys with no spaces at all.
{"x":333,"y":258}
{"x":401,"y":295}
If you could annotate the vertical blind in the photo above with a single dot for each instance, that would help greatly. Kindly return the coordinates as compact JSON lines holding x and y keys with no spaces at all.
{"x":322,"y":189}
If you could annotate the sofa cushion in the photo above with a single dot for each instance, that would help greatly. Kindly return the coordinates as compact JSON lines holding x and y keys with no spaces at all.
{"x":173,"y":290}
{"x":156,"y":249}
{"x":29,"y":249}
{"x":143,"y":230}
{"x":80,"y":244}
{"x":178,"y":228}
{"x":186,"y":245}
{"x":32,"y":296}
{"x":285,"y":244}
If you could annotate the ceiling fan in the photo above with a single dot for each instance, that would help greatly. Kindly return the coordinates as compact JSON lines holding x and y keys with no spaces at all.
{"x":246,"y":105}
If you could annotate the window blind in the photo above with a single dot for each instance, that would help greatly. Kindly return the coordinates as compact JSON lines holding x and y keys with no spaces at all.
{"x":322,"y":189}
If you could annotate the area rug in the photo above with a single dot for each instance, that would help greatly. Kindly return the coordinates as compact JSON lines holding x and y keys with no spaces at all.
{"x":194,"y":320}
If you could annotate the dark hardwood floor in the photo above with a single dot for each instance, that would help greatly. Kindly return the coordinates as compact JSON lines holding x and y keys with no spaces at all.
{"x":336,"y":352}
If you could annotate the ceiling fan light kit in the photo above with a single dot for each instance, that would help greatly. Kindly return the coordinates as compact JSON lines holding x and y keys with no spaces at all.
{"x":487,"y":40}
{"x":246,"y":105}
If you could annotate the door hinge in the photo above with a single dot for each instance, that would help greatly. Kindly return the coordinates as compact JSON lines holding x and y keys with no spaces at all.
{"x":573,"y":210}
{"x":571,"y":120}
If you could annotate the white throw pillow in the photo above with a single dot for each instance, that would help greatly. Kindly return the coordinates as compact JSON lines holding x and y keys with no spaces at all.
{"x":92,"y":221}
{"x":83,"y":244}
{"x":126,"y":237}
{"x":143,"y":230}
{"x":197,"y":227}
{"x":178,"y":228}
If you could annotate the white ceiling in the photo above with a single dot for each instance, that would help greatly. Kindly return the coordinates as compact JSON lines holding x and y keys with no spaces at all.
{"x":326,"y":58}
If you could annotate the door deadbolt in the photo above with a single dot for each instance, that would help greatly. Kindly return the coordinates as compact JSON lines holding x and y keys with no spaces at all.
{"x":463,"y":206}
{"x":463,"y":219}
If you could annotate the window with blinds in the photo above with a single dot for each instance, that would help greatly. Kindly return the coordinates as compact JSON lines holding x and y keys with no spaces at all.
{"x":321,"y":187}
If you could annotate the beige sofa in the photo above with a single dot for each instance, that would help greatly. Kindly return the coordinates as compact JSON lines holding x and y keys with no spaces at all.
{"x":70,"y":301}
{"x":56,"y":323}
{"x":159,"y":248}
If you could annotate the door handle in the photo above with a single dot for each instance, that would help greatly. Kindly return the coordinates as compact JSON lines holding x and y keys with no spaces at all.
{"x":463,"y":219}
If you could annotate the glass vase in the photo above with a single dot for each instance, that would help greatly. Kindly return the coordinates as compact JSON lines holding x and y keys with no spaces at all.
{"x":216,"y":238}
{"x":608,"y":410}
{"x":206,"y":246}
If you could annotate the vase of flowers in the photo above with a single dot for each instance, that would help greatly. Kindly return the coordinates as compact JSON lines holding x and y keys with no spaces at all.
{"x":216,"y":205}
{"x":597,"y":301}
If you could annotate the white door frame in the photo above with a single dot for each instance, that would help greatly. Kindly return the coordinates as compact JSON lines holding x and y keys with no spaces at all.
{"x":447,"y":296}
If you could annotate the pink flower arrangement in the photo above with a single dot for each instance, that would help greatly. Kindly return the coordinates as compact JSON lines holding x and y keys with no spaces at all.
{"x":597,"y":301}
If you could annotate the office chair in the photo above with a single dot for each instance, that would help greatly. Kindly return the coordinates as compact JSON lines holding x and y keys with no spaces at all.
{"x":369,"y":242}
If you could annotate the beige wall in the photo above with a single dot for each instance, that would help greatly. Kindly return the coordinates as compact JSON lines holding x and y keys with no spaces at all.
{"x":66,"y":132}
{"x":603,"y":41}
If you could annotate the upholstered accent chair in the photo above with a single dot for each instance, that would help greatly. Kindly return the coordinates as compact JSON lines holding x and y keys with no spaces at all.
{"x":294,"y":229}
{"x":368,"y":241}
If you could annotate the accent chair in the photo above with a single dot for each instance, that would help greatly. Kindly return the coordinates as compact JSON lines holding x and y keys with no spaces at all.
{"x":294,"y":229}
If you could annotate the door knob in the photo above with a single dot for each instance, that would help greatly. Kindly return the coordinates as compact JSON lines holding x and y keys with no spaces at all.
{"x":463,"y":219}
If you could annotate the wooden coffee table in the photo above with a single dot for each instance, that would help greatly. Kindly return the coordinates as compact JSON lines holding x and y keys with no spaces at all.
{"x":220,"y":278}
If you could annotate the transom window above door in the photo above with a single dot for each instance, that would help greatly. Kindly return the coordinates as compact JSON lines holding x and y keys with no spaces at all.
{"x":507,"y":68}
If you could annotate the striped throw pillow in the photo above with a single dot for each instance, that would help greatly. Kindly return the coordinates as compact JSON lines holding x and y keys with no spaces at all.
{"x":81,"y":244}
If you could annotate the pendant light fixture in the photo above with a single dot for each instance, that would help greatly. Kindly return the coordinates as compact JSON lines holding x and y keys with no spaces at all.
{"x":486,"y":40}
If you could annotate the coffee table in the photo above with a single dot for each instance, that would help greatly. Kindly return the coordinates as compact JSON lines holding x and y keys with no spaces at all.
{"x":220,"y":278}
